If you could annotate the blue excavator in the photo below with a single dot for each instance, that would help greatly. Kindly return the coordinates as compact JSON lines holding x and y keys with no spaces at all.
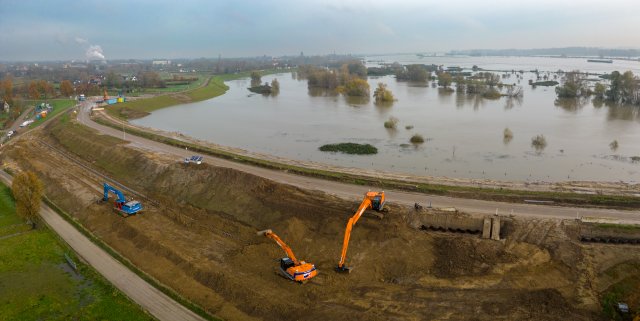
{"x":121,"y":205}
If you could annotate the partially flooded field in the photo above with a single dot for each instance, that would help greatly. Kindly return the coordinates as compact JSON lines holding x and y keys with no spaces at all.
{"x":463,"y":135}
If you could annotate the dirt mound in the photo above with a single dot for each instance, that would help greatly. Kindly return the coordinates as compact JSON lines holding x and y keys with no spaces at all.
{"x":465,"y":256}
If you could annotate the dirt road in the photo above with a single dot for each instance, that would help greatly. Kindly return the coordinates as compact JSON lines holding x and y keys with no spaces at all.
{"x":352,"y":192}
{"x":151,"y":299}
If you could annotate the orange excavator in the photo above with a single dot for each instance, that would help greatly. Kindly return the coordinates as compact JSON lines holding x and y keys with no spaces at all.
{"x":291,"y":268}
{"x":372,"y":200}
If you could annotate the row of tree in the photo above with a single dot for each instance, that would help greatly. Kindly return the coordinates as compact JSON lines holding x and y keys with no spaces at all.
{"x":624,"y":88}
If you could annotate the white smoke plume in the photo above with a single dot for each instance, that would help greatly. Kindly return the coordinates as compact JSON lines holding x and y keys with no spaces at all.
{"x":94,"y":53}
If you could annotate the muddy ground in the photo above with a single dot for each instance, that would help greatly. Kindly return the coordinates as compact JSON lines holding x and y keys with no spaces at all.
{"x":201,"y":241}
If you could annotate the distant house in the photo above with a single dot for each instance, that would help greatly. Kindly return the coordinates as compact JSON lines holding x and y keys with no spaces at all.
{"x":161,"y":62}
{"x":4,"y":106}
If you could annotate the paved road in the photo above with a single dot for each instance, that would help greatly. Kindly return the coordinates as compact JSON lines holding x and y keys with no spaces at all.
{"x":16,"y":123}
{"x":138,"y":290}
{"x":349,"y":191}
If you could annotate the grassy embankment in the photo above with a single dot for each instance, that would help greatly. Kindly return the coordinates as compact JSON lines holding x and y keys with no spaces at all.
{"x":58,"y":107}
{"x":74,"y":129}
{"x":37,"y":284}
{"x":142,"y":107}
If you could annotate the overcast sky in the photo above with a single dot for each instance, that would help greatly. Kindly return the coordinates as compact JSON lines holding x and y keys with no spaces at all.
{"x":60,"y":29}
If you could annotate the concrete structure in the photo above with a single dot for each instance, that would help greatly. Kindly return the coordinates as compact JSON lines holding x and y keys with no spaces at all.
{"x":495,"y":228}
{"x":486,"y":228}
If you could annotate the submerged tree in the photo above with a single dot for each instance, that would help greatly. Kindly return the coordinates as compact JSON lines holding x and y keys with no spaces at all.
{"x":574,"y":86}
{"x":27,"y":190}
{"x":391,"y":123}
{"x":445,"y":79}
{"x":507,"y":135}
{"x":275,"y":87}
{"x":624,"y":88}
{"x":599,"y":90}
{"x":539,"y":143}
{"x":256,"y":79}
{"x":355,"y":87}
{"x":382,"y":94}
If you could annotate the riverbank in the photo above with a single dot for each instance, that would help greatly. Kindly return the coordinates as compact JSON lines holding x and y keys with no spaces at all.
{"x":573,"y":193}
{"x":213,"y":87}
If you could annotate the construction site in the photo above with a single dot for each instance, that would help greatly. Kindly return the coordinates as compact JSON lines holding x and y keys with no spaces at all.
{"x":197,"y":234}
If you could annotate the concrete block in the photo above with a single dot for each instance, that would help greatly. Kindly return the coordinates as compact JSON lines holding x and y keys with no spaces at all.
{"x":495,"y":228}
{"x":486,"y":228}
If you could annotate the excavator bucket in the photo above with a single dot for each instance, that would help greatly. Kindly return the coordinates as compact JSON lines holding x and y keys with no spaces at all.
{"x":263,"y":232}
{"x":343,"y":269}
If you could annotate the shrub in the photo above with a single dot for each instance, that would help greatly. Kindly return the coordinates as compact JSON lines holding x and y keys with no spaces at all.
{"x":382,"y":94}
{"x":391,"y":123}
{"x":350,"y":148}
{"x":613,"y":145}
{"x":492,"y":94}
{"x":507,"y":135}
{"x":408,"y":127}
{"x":539,"y":142}
{"x":417,"y":139}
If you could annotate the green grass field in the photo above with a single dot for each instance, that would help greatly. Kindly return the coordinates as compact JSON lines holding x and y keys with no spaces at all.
{"x":215,"y":87}
{"x":37,"y":284}
{"x":58,"y":107}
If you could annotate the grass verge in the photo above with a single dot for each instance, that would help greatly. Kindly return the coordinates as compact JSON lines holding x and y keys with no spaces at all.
{"x":37,"y":284}
{"x":149,"y":279}
{"x":58,"y":107}
{"x":493,"y":194}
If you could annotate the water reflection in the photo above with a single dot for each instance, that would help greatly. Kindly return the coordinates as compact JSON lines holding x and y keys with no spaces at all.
{"x":511,"y":102}
{"x":572,"y":105}
{"x":357,"y":100}
{"x":321,"y":92}
{"x":622,"y":112}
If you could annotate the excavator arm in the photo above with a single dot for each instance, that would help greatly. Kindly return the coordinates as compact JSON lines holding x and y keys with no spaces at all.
{"x":372,"y":200}
{"x":282,"y":244}
{"x":365,"y":205}
{"x":118,"y":193}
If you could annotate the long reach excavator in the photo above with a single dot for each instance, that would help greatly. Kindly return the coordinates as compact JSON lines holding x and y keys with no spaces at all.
{"x":291,"y":268}
{"x":372,"y":200}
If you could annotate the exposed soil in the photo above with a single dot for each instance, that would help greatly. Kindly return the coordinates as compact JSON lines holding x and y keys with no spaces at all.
{"x":201,"y":241}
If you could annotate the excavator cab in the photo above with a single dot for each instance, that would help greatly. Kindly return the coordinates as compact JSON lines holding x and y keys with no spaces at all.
{"x":286,"y":263}
{"x":290,"y":266}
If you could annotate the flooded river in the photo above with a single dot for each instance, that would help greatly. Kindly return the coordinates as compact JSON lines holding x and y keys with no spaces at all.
{"x":464,"y":135}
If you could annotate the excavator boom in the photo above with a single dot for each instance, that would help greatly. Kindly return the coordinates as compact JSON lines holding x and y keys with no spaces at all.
{"x":281,"y":243}
{"x":290,"y":267}
{"x":372,"y":200}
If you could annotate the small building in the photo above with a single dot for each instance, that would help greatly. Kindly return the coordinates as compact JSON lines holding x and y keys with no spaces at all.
{"x":4,"y":106}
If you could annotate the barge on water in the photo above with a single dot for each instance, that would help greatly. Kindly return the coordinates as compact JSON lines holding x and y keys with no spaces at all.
{"x":604,"y":61}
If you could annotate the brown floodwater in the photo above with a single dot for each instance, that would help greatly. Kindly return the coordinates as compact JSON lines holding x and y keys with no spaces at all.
{"x":463,"y":134}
